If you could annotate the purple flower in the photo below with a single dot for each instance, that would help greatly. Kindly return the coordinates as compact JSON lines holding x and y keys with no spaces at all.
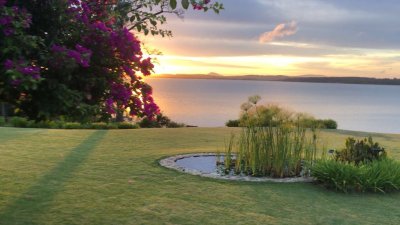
{"x":32,"y":71}
{"x":8,"y":31}
{"x":36,"y":76}
{"x":110,"y":106}
{"x":128,"y":70}
{"x":75,"y":55}
{"x":8,"y":64}
{"x":5,"y":20}
{"x":16,"y":82}
{"x":15,"y":9}
{"x":83,"y":50}
{"x":83,"y":61}
{"x":57,"y":48}
{"x":100,"y":26}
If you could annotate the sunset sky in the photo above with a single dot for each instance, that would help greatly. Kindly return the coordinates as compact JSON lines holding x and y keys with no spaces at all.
{"x":285,"y":37}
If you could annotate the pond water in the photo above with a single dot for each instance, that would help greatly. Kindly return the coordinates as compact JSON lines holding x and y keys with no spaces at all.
{"x":203,"y":164}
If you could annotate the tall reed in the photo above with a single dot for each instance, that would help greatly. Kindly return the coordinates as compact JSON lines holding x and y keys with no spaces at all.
{"x":279,"y":151}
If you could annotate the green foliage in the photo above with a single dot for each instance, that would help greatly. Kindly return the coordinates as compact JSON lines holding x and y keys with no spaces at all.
{"x":47,"y":124}
{"x":125,"y":125}
{"x":253,"y":114}
{"x":25,"y":123}
{"x":72,"y":125}
{"x":148,"y":16}
{"x":160,"y":121}
{"x":359,"y":151}
{"x":232,"y":123}
{"x":99,"y":125}
{"x":19,"y":122}
{"x":328,"y":124}
{"x":376,"y":176}
{"x":279,"y":151}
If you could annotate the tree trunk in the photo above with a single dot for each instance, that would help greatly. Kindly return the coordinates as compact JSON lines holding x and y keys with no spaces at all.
{"x":4,"y":111}
{"x":119,"y":117}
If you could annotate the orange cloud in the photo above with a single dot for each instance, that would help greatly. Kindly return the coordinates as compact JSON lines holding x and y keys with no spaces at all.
{"x":280,"y":31}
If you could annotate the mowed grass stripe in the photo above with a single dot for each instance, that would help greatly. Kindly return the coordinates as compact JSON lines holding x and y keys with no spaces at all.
{"x":25,"y":159}
{"x":37,"y":199}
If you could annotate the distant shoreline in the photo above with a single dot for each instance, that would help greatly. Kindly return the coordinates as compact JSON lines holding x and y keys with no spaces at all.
{"x":306,"y":79}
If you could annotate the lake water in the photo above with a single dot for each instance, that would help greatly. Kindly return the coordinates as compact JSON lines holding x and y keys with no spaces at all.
{"x":210,"y":103}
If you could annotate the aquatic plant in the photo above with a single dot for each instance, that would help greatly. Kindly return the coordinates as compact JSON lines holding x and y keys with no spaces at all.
{"x":280,"y":151}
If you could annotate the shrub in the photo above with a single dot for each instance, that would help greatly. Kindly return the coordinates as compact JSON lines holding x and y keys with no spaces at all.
{"x":173,"y":124}
{"x":273,"y":114}
{"x":99,"y":125}
{"x":158,"y":122}
{"x":329,"y":124}
{"x":125,"y":125}
{"x":19,"y":122}
{"x":47,"y":124}
{"x":25,"y":123}
{"x":376,"y":176}
{"x":232,"y":123}
{"x":72,"y":125}
{"x":358,"y":151}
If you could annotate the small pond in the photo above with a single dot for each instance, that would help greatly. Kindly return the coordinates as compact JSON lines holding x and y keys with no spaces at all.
{"x":201,"y":163}
{"x":205,"y":165}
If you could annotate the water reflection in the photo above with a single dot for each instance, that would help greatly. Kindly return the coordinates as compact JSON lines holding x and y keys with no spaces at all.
{"x":210,"y":103}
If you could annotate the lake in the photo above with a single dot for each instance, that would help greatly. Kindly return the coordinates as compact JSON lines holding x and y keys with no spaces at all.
{"x":210,"y":103}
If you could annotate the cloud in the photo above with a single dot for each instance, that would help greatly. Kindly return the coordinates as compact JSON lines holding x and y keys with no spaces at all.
{"x":280,"y":31}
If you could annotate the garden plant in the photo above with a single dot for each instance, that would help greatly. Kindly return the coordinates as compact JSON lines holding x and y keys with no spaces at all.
{"x":362,"y":166}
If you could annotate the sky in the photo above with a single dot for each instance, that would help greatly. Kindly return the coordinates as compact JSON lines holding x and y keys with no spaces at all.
{"x":285,"y":37}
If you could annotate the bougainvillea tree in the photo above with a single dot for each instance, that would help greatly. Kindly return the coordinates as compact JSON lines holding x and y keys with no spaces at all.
{"x":78,"y":59}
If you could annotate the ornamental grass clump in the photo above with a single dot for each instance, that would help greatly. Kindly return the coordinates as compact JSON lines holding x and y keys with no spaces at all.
{"x":281,"y":148}
{"x":280,"y":151}
{"x":376,"y":176}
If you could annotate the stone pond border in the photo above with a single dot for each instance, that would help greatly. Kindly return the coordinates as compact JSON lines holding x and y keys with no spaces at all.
{"x":170,"y":163}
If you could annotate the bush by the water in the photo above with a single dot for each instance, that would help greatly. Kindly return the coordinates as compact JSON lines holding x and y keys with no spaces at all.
{"x":272,"y":114}
{"x":376,"y":176}
{"x":160,"y":121}
{"x":358,"y":151}
{"x":232,"y":123}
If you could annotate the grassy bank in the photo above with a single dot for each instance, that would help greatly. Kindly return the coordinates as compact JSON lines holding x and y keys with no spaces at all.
{"x":112,"y":177}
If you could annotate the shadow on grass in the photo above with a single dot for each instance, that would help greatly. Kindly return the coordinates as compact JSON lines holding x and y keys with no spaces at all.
{"x":39,"y":197}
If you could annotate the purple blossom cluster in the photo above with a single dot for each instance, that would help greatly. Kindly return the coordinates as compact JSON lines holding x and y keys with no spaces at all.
{"x":106,"y":50}
{"x":13,"y":18}
{"x":125,"y":47}
{"x":80,"y":54}
{"x":150,"y":108}
{"x":121,"y":93}
{"x":109,"y":105}
{"x":25,"y":71}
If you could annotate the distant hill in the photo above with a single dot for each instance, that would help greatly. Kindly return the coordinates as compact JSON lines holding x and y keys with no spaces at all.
{"x":303,"y":78}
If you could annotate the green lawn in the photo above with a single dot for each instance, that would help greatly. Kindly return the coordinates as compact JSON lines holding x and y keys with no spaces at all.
{"x":112,"y":177}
